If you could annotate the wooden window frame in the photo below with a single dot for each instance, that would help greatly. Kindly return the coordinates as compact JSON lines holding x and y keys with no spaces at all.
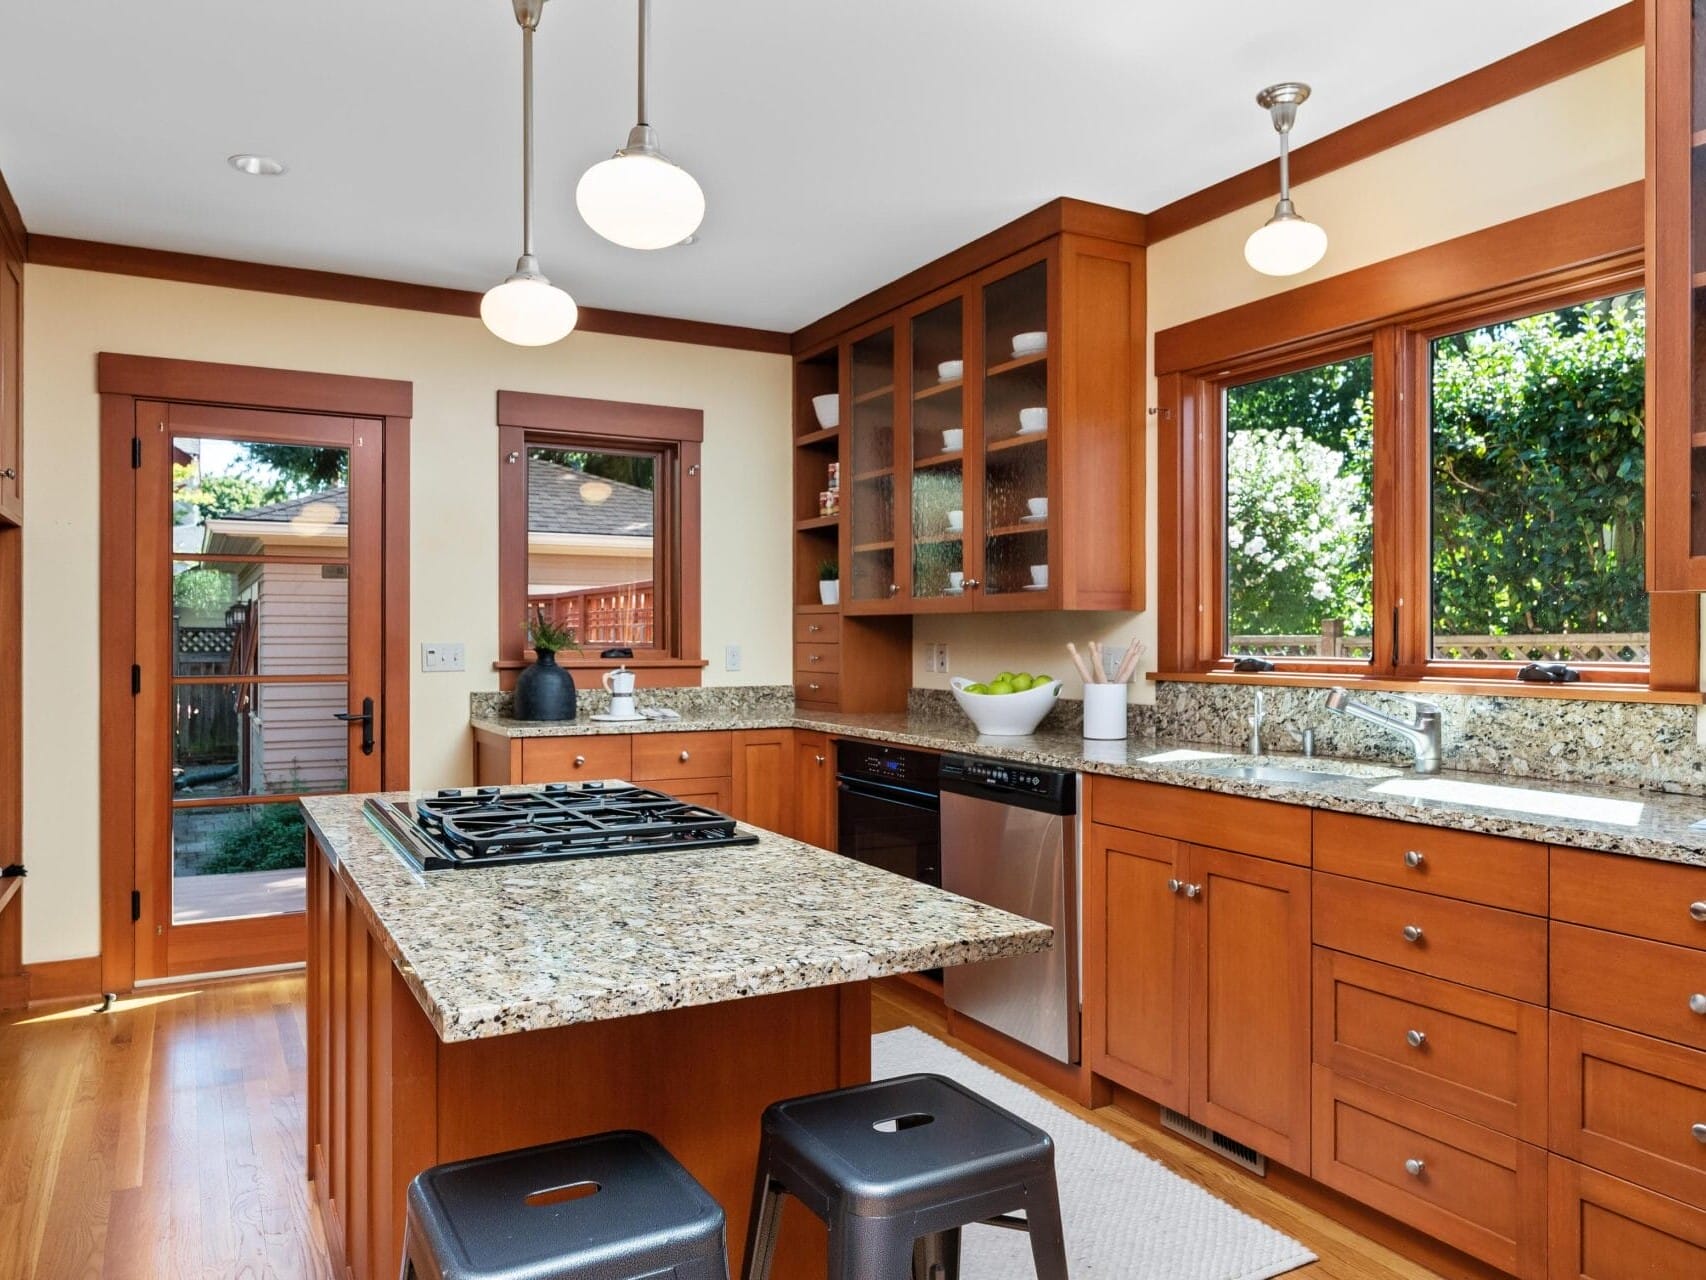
{"x":676,"y":435}
{"x":1394,"y":310}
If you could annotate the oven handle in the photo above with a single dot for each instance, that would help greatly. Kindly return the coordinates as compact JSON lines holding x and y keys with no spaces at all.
{"x":890,"y":795}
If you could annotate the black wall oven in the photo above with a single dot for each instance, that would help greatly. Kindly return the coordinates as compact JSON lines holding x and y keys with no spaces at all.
{"x":889,"y":809}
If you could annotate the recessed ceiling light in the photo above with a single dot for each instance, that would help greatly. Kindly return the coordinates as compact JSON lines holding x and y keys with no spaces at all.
{"x":256,"y":166}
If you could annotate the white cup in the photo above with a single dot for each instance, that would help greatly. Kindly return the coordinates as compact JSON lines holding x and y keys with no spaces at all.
{"x":956,"y":579}
{"x":948,"y":370}
{"x":828,"y":410}
{"x":1038,"y":506}
{"x":953,"y":439}
{"x":1105,"y":711}
{"x":956,"y":521}
{"x":1031,"y":420}
{"x":1039,"y":575}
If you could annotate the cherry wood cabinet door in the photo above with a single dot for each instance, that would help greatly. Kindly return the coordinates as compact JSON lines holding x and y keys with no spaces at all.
{"x":11,"y":389}
{"x":1136,"y":971}
{"x":814,"y":790}
{"x":1247,"y":928}
{"x":764,"y":778}
{"x":1602,"y":1228}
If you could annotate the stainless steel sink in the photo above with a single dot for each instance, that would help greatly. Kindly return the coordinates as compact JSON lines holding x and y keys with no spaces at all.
{"x":1278,"y":773}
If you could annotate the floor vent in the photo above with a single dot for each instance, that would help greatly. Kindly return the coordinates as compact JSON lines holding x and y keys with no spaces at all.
{"x":1242,"y":1156}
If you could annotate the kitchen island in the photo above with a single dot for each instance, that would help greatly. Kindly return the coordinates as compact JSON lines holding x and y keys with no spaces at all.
{"x":462,"y":1012}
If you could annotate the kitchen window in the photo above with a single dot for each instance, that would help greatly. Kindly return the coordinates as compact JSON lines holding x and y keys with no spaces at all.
{"x":1448,"y":495}
{"x":599,"y":531}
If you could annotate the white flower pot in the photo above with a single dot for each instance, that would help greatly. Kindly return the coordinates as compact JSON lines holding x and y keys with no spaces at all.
{"x":829,"y":592}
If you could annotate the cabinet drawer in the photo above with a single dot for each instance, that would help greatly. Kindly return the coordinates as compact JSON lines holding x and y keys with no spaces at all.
{"x":1630,"y":1105}
{"x":1456,"y":864}
{"x":659,"y":757}
{"x":575,"y":759}
{"x":820,"y":688}
{"x":1644,"y":986}
{"x":1466,"y":1052}
{"x":1260,"y":827}
{"x":817,"y":628}
{"x":713,"y":793}
{"x":811,"y":658}
{"x":1664,"y":901}
{"x":1481,"y":1191}
{"x":1603,"y":1228}
{"x":1479,"y":946}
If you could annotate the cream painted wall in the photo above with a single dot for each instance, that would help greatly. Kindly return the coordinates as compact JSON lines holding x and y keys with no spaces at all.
{"x":1569,"y":139}
{"x":456,"y":368}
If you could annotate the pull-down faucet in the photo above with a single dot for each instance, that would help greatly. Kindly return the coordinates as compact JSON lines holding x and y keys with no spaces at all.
{"x":1422,"y":731}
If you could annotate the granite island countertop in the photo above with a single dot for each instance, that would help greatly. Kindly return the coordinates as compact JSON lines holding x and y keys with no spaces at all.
{"x":1619,"y":820}
{"x":494,"y":951}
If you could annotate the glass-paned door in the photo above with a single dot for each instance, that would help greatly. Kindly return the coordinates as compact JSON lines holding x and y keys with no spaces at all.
{"x":871,"y":487}
{"x":1018,"y":546}
{"x":943,"y":521}
{"x":257,"y":572}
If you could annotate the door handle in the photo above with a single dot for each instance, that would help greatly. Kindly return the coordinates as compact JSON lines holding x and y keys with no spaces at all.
{"x":365,"y":720}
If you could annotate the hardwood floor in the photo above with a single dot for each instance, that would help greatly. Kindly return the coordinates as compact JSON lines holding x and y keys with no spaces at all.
{"x":164,"y":1139}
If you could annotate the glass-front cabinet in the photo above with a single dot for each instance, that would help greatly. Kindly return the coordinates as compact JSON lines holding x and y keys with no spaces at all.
{"x":871,"y":571}
{"x":941,"y":518}
{"x":1017,"y":480}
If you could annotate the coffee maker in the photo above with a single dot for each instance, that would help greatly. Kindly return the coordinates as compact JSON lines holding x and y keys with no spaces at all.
{"x":620,"y":685}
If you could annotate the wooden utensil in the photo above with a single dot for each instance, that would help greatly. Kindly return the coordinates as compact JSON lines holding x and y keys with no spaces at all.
{"x":1078,"y":661}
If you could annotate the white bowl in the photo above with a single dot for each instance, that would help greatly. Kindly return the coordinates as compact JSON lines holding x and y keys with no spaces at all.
{"x":1028,"y":344}
{"x":948,"y":370}
{"x":1006,"y":715}
{"x":1031,"y":420}
{"x":828,"y":409}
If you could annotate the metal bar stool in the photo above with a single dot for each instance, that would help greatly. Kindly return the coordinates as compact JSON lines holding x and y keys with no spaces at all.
{"x":615,"y":1206}
{"x":896,"y":1168}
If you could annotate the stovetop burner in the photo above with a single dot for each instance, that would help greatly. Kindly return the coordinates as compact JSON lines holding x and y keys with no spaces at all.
{"x":487,"y":826}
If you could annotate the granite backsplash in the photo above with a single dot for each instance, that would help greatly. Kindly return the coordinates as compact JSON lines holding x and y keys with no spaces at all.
{"x":1648,"y":745}
{"x":712,"y":700}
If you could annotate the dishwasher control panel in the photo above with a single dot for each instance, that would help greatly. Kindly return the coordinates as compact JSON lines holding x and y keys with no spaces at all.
{"x":1053,"y":786}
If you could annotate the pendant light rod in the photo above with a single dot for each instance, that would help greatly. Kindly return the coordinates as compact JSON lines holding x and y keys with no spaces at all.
{"x":1282,"y":101}
{"x":527,"y":14}
{"x":645,"y":42}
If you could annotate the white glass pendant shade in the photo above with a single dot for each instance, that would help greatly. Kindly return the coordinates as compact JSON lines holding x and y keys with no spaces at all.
{"x":640,"y":200}
{"x":529,"y":311}
{"x":1285,"y":245}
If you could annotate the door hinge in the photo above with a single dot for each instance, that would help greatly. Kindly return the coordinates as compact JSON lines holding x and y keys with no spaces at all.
{"x":136,"y":453}
{"x":135,"y":905}
{"x":135,"y":679}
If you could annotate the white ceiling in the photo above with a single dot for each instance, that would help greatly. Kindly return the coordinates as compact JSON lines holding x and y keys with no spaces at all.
{"x":839,"y":143}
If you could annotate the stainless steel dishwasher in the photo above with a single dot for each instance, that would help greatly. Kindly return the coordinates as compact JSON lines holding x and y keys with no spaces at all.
{"x":1010,"y":839}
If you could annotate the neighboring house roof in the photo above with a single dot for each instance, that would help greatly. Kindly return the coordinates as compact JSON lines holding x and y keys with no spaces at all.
{"x":295,"y":508}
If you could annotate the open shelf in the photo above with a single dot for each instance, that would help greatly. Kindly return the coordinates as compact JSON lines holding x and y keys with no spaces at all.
{"x":875,"y":546}
{"x":932,"y":538}
{"x":818,"y":522}
{"x":1697,"y":440}
{"x":829,"y":435}
{"x":939,"y":389}
{"x":1016,"y":442}
{"x":881,"y":473}
{"x":939,"y":459}
{"x":1017,"y":362}
{"x":1698,"y":138}
{"x":1013,"y":530}
{"x":815,"y":607}
{"x":876,"y":393}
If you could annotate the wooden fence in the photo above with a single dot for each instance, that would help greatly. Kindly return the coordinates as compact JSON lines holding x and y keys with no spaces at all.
{"x":1332,"y":641}
{"x":619,"y":614}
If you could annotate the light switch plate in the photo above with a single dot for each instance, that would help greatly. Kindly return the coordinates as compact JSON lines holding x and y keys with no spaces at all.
{"x":443,"y":656}
{"x":731,"y":657}
{"x":942,"y":658}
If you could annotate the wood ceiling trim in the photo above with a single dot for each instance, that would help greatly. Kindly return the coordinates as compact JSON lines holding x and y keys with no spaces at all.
{"x":1584,"y":45}
{"x":332,"y":286}
{"x":12,"y":221}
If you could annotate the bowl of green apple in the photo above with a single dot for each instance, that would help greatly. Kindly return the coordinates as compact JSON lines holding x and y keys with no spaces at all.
{"x":1009,"y":706}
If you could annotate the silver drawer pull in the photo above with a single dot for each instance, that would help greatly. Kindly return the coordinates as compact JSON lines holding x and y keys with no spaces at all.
{"x":1699,"y":1132}
{"x":819,"y":759}
{"x":684,"y":757}
{"x":812,"y":628}
{"x":1697,"y":1003}
{"x":1413,"y":858}
{"x":1175,"y":886}
{"x":579,"y":761}
{"x":1415,"y":1168}
{"x":1415,"y":1039}
{"x":1697,"y":911}
{"x":814,"y":686}
{"x":1193,"y":891}
{"x":816,"y":657}
{"x":1412,"y":933}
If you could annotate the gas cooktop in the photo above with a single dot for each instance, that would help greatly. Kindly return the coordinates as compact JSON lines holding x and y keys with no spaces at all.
{"x":486,"y":826}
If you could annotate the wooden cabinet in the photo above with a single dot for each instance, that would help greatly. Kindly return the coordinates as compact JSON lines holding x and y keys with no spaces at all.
{"x":764,"y":779}
{"x":814,"y":789}
{"x":1491,"y":870}
{"x":670,"y":757}
{"x":1649,"y":987}
{"x":11,"y":372}
{"x":573,"y":759}
{"x":1197,"y":979}
{"x":1676,"y":298}
{"x":1602,"y":1228}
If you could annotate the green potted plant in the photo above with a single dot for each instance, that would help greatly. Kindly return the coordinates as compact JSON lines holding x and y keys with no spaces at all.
{"x":829,"y":582}
{"x":545,"y":691}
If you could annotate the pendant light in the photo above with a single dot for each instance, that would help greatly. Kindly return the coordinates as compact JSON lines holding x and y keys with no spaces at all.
{"x":527,"y":309}
{"x":1286,"y":243}
{"x":640,"y":198}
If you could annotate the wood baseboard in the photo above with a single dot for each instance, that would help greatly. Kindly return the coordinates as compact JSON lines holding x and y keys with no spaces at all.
{"x":64,"y":979}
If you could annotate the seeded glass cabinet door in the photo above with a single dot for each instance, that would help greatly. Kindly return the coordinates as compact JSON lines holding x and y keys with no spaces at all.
{"x":1676,"y":295}
{"x":872,"y":576}
{"x":943,"y":519}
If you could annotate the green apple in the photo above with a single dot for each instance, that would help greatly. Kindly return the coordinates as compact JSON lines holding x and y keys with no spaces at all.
{"x":1021,"y":682}
{"x":976,"y":688}
{"x":1000,"y":686}
{"x":1041,"y":680}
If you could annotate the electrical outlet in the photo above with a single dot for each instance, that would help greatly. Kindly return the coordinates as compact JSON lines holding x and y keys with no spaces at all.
{"x":731,"y":657}
{"x":942,"y":658}
{"x":443,"y":657}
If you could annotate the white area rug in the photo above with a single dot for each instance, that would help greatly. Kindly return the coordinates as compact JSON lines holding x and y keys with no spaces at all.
{"x":1126,"y":1216}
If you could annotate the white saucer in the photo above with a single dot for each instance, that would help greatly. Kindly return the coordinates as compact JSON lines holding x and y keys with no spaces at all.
{"x":1032,"y":519}
{"x":1031,"y":431}
{"x":953,"y":591}
{"x":1031,"y":586}
{"x":607,"y":718}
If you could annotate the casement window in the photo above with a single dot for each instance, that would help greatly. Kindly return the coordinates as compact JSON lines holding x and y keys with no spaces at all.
{"x":599,"y":531}
{"x":1448,"y":494}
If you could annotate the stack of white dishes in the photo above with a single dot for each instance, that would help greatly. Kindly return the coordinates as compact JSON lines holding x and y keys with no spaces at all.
{"x":1029,"y":344}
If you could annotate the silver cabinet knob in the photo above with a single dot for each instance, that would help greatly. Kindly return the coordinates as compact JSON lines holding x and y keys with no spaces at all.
{"x":1175,"y":886}
{"x":1697,"y":1003}
{"x":894,"y":587}
{"x":814,"y":686}
{"x":10,"y":473}
{"x":1699,"y":1132}
{"x":1193,"y":891}
{"x":812,"y":628}
{"x":819,"y":759}
{"x":1697,"y":911}
{"x":1415,"y":1039}
{"x":816,"y":657}
{"x":1415,"y":1168}
{"x":1413,"y":858}
{"x":684,"y":757}
{"x":579,"y":761}
{"x":1412,"y":933}
{"x":970,"y":584}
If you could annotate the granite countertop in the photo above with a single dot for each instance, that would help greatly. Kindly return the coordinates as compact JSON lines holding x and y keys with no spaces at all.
{"x":1621,"y":820}
{"x":522,"y":948}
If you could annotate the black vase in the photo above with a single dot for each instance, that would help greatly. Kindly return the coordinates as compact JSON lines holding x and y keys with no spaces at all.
{"x":545,"y":691}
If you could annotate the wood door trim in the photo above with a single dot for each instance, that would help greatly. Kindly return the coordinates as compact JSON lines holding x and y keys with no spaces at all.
{"x":123,"y":380}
